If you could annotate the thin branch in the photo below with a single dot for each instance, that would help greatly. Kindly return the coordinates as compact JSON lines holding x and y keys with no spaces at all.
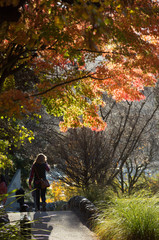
{"x":108,"y":113}
{"x":90,"y":50}
{"x":60,"y":84}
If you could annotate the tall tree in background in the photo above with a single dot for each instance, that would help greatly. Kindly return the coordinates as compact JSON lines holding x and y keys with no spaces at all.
{"x":82,"y":156}
{"x":127,"y":146}
{"x":132,"y":138}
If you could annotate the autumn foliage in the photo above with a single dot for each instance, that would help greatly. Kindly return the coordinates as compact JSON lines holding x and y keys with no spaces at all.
{"x":60,"y":191}
{"x":62,"y":42}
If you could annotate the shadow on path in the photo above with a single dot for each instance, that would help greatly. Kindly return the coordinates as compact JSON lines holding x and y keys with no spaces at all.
{"x":40,"y":228}
{"x":60,"y":225}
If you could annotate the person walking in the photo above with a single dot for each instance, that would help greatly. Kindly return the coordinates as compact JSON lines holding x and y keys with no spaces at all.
{"x":3,"y":189}
{"x":38,"y":171}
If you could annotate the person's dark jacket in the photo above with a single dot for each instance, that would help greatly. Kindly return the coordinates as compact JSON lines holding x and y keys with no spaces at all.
{"x":38,"y":171}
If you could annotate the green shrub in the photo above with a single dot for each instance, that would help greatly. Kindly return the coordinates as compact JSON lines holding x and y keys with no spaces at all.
{"x":129,"y":219}
{"x":11,"y":232}
{"x":97,"y":194}
{"x":7,"y":230}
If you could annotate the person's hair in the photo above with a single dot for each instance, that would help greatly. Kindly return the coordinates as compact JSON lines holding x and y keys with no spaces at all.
{"x":40,"y":158}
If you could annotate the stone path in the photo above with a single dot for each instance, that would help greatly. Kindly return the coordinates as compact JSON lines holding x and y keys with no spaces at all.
{"x":56,"y":225}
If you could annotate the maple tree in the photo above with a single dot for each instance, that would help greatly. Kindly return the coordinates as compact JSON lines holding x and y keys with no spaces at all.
{"x":57,"y":40}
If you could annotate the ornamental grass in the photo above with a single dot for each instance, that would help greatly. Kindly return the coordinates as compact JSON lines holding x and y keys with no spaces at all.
{"x":129,"y":219}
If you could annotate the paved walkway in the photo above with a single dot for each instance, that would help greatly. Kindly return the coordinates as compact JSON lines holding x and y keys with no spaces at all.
{"x":56,"y":225}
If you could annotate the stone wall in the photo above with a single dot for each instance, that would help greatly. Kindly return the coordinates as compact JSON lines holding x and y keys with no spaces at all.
{"x":84,"y":208}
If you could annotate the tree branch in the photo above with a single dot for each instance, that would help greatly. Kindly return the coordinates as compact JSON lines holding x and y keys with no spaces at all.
{"x":59,"y":85}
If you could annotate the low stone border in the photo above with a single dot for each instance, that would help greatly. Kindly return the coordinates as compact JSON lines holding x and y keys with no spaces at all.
{"x":85,"y":208}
